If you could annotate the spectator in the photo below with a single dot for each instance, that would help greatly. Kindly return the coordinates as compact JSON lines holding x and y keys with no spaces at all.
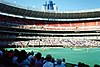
{"x":38,"y":62}
{"x":63,"y":61}
{"x":59,"y":63}
{"x":48,"y":63}
{"x":22,"y":60}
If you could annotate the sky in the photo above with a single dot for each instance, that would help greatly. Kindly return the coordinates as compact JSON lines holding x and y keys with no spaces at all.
{"x":62,"y":4}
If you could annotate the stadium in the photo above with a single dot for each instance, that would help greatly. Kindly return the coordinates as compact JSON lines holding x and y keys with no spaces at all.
{"x":68,"y":34}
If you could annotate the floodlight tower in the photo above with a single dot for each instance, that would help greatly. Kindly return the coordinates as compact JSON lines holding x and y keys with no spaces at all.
{"x":50,"y":5}
{"x":45,"y":5}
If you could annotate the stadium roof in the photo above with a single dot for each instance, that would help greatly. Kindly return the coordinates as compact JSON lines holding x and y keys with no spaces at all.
{"x":9,"y":8}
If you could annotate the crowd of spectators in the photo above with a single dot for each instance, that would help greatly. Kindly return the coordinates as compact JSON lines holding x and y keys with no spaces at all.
{"x":21,"y":58}
{"x":68,"y":42}
{"x":54,"y":41}
{"x":16,"y":58}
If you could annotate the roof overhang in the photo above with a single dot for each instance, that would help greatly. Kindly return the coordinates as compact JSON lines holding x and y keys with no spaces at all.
{"x":26,"y":12}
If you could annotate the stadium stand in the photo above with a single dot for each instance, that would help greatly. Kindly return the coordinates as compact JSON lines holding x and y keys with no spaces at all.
{"x":54,"y":31}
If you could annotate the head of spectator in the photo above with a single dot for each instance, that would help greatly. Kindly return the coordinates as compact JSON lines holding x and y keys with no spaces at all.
{"x":63,"y":59}
{"x":38,"y":56}
{"x":48,"y":57}
{"x":59,"y":61}
{"x":16,"y":52}
{"x":22,"y":56}
{"x":53,"y":60}
{"x":96,"y":65}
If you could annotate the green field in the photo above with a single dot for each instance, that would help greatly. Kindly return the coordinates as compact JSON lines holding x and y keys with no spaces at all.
{"x":88,"y":56}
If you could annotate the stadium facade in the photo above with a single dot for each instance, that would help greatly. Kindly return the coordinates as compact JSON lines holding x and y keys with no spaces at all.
{"x":26,"y":26}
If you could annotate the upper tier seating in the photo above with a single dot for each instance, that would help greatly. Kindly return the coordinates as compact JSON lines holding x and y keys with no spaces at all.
{"x":48,"y":25}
